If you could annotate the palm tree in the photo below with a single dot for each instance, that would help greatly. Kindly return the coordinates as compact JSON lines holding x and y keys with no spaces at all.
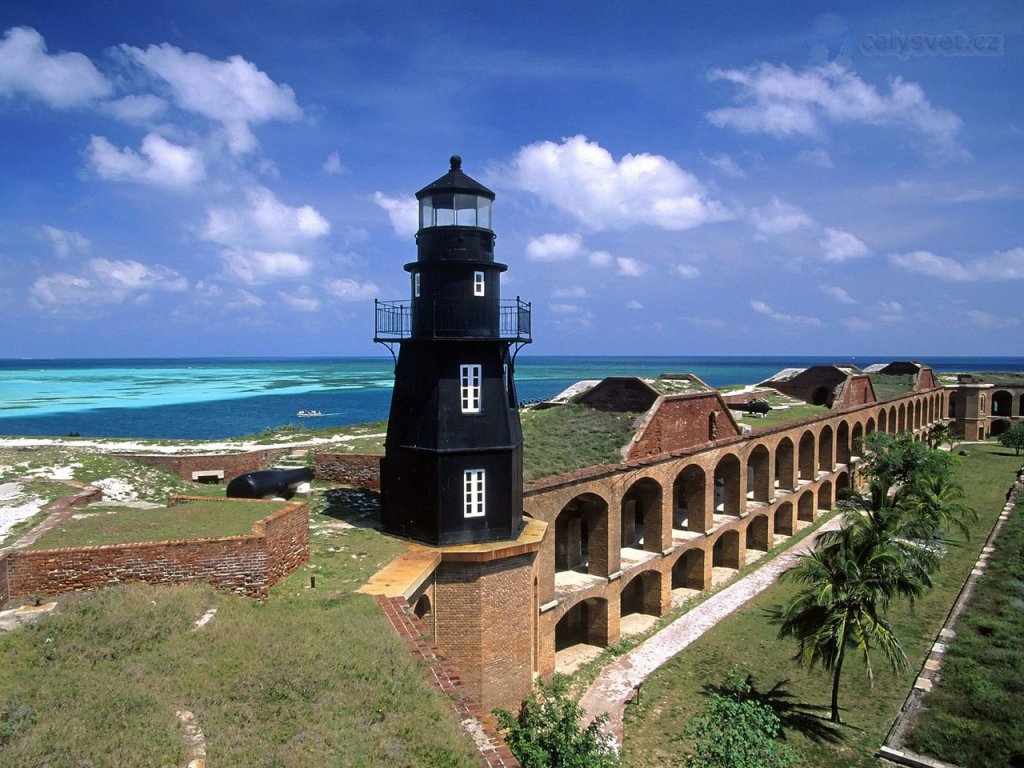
{"x":847,"y":584}
{"x":938,"y":500}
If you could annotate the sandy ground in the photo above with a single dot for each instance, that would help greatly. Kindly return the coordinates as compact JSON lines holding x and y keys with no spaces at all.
{"x":111,"y":445}
{"x":616,"y":682}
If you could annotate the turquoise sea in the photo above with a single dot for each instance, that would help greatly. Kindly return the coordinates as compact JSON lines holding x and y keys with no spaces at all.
{"x":204,"y":398}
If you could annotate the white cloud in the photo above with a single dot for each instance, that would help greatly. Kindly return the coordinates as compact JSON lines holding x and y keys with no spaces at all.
{"x":687,"y":271}
{"x":857,"y":324}
{"x":347,"y":289}
{"x":600,"y":258}
{"x":564,"y":309}
{"x":888,"y":311}
{"x":629,"y":267}
{"x":160,"y":163}
{"x":928,"y":263}
{"x":264,"y":222}
{"x":842,"y":246}
{"x":727,"y":165}
{"x":136,"y":108}
{"x":817,"y":157}
{"x":573,"y":292}
{"x":260,"y":267}
{"x":583,"y":179}
{"x":302,"y":300}
{"x":837,"y":293}
{"x":779,"y":218}
{"x":65,"y":242}
{"x":333,"y":165}
{"x":61,"y":80}
{"x":766,"y":309}
{"x":553,"y":247}
{"x":986,"y":320}
{"x":782,"y":102}
{"x":106,"y":281}
{"x":1003,"y":265}
{"x":232,"y":92}
{"x":241,"y":300}
{"x":634,"y":304}
{"x":403,"y":213}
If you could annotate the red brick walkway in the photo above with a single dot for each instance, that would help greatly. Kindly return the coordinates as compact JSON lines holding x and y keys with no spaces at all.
{"x":480,"y":727}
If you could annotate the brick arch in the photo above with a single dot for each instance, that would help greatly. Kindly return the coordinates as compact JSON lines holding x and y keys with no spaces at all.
{"x":726,"y":551}
{"x":759,"y":479}
{"x":893,"y":425}
{"x":690,"y":499}
{"x":826,"y":455}
{"x":901,"y":418}
{"x":785,"y":519}
{"x":825,"y":496}
{"x":581,"y":535}
{"x":759,"y":532}
{"x":689,"y":569}
{"x":1002,"y":403}
{"x":585,"y":621}
{"x":918,"y":423}
{"x":727,"y":484}
{"x":642,"y":594}
{"x":857,"y":438}
{"x":883,"y":420}
{"x":842,"y":485}
{"x":806,"y":459}
{"x":805,"y":511}
{"x":785,"y":465}
{"x":843,"y":437}
{"x":640,"y":516}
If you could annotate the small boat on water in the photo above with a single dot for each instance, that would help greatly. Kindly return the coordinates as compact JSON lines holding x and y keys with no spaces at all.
{"x":307,"y":414}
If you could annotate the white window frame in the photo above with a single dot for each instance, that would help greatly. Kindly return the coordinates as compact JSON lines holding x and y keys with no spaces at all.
{"x":473,"y":493}
{"x":470,"y":381}
{"x":479,"y":287}
{"x":415,"y":285}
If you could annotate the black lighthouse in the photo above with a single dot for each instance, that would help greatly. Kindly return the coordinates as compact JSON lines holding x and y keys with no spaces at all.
{"x":453,"y":466}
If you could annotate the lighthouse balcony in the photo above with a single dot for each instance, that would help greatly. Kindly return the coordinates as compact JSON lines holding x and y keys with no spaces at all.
{"x":450,"y":319}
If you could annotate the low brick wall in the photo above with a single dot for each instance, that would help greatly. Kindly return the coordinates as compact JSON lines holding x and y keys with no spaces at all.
{"x":5,"y":590}
{"x":359,"y":469}
{"x":248,"y":564}
{"x":228,"y":465}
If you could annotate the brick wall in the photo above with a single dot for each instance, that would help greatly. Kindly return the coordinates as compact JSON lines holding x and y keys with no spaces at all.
{"x":360,"y":470}
{"x":682,"y":422}
{"x":5,"y":590}
{"x":248,"y":564}
{"x":622,"y":394}
{"x":231,"y":464}
{"x":857,"y":391}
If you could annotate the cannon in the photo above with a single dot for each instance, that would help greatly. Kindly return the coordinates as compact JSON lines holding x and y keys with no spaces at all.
{"x":751,"y":406}
{"x":270,"y":484}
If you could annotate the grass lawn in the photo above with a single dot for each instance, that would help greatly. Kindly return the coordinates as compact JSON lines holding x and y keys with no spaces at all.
{"x":973,"y":715}
{"x":890,"y":385}
{"x":655,"y":731}
{"x":557,"y":440}
{"x":311,"y":677}
{"x":99,"y":525}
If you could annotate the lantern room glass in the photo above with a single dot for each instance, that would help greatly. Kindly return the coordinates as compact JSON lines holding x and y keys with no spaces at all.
{"x":455,"y":210}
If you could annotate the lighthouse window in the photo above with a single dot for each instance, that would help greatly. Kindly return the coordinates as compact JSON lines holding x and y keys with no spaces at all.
{"x":470,"y":377}
{"x":478,"y":283}
{"x":473,"y":493}
{"x":415,"y":285}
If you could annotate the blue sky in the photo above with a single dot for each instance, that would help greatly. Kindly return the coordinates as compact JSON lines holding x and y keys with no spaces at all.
{"x":195,"y":178}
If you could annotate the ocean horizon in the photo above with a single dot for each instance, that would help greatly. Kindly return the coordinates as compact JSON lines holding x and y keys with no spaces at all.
{"x":213,"y":398}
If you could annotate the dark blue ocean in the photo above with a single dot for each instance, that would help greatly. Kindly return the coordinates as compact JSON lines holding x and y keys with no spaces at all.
{"x":209,"y":398}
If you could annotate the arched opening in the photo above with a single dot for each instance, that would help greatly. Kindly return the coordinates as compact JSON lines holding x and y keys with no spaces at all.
{"x":998,"y":426}
{"x":901,"y":418}
{"x":893,"y":427}
{"x":688,"y":571}
{"x":825,"y":496}
{"x":1002,"y":403}
{"x":727,"y":486}
{"x":422,"y":608}
{"x":580,"y":530}
{"x":951,"y":412}
{"x":586,"y":622}
{"x":807,"y":456}
{"x":726,"y":551}
{"x":805,"y":507}
{"x":842,"y":485}
{"x":883,"y":421}
{"x":857,"y":439}
{"x":1020,"y":406}
{"x":641,"y":516}
{"x":785,"y":478}
{"x":758,"y":533}
{"x":869,"y":427}
{"x":820,"y":396}
{"x":917,"y":415}
{"x":642,"y":595}
{"x":825,"y":449}
{"x":785,"y":519}
{"x":759,"y":485}
{"x":843,"y":443}
{"x":689,"y":500}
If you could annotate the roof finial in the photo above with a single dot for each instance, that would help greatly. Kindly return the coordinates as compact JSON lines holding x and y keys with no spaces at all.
{"x":456,"y":162}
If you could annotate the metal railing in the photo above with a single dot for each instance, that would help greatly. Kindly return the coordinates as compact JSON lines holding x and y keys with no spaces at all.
{"x":440,"y":319}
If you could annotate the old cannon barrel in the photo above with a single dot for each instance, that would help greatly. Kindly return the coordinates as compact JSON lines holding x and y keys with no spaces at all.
{"x":268,"y":484}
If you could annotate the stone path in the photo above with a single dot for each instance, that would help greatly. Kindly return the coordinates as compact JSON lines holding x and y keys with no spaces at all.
{"x":615,"y":684}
